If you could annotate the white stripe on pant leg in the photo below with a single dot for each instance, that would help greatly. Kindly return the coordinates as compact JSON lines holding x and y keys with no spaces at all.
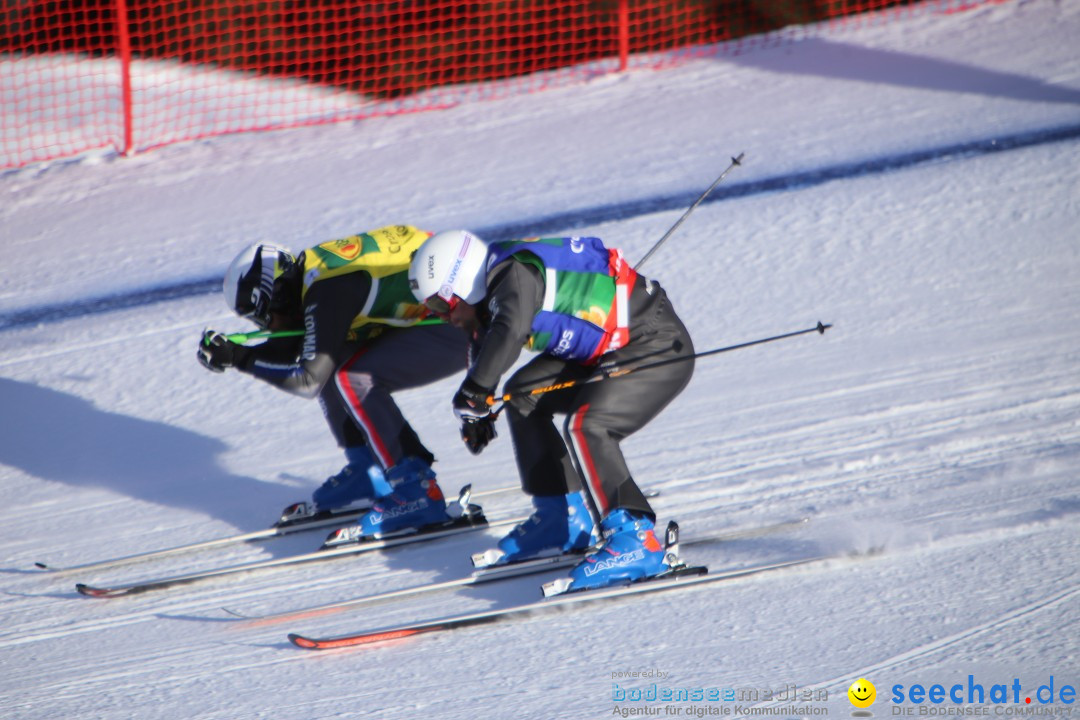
{"x":356,"y":412}
{"x":585,"y":462}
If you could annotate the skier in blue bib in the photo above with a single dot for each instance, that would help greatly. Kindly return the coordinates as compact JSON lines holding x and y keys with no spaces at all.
{"x":581,"y":307}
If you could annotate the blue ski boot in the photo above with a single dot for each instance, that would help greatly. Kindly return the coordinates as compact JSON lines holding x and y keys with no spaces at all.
{"x":359,"y":484}
{"x":559,"y":524}
{"x":631,"y":552}
{"x":416,"y":501}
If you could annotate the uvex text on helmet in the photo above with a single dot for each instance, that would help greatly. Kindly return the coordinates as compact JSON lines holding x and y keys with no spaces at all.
{"x":450,"y":263}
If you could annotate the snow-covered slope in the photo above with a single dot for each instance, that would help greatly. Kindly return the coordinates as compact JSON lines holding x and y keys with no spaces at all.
{"x":937,"y":419}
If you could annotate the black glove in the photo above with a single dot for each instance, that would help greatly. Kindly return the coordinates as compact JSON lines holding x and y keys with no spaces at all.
{"x":216,"y":352}
{"x":474,"y":412}
{"x":470,"y":402}
{"x":478,"y":432}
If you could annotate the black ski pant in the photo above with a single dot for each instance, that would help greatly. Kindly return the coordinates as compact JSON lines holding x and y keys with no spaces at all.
{"x":598,"y":415}
{"x":358,"y":401}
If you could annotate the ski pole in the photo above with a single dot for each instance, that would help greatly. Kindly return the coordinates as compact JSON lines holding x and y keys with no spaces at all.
{"x":615,"y":371}
{"x":735,"y":162}
{"x":242,"y":338}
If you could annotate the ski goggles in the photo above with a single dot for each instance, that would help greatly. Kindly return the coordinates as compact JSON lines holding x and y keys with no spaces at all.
{"x":442,"y":306}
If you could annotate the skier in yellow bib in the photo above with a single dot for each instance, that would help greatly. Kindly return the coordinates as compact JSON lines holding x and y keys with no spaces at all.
{"x":362,"y":341}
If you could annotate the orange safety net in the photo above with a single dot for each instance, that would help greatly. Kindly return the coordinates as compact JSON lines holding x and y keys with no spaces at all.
{"x":78,"y":75}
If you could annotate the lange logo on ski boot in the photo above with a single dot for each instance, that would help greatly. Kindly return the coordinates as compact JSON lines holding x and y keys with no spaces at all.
{"x":595,"y":565}
{"x":380,"y":514}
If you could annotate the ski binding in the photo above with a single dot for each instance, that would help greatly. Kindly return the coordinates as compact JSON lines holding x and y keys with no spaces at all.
{"x":677,"y":567}
{"x":461,"y":513}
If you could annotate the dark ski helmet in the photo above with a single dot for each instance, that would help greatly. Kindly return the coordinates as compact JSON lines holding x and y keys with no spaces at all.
{"x":251,"y":279}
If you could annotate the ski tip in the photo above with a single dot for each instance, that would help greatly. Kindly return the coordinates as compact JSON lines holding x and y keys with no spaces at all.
{"x":354,"y":640}
{"x":104,"y":592}
{"x":91,"y":591}
{"x":303,"y":642}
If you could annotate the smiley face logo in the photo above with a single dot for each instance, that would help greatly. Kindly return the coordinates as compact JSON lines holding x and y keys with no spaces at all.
{"x":862,"y":693}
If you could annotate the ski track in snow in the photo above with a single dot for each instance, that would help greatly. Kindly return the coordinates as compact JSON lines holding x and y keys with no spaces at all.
{"x":589,"y":216}
{"x":912,"y":659}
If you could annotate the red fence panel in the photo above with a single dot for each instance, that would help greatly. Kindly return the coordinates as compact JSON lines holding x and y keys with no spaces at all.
{"x":80,"y":75}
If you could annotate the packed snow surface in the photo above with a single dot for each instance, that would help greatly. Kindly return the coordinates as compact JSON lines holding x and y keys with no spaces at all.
{"x":915,"y":183}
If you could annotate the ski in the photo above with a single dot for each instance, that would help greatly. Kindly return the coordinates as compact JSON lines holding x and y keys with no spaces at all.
{"x":506,"y":571}
{"x":648,"y":492}
{"x":471,"y":520}
{"x":479,"y":577}
{"x":694,"y":578}
{"x":296,"y":518}
{"x":292,"y":521}
{"x":442,"y":531}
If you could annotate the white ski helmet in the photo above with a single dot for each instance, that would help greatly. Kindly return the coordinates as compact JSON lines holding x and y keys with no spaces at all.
{"x":249,"y":281}
{"x":448,"y":264}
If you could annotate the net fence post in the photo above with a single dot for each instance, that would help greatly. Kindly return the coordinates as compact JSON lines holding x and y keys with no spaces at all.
{"x":624,"y":34}
{"x":123,"y":34}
